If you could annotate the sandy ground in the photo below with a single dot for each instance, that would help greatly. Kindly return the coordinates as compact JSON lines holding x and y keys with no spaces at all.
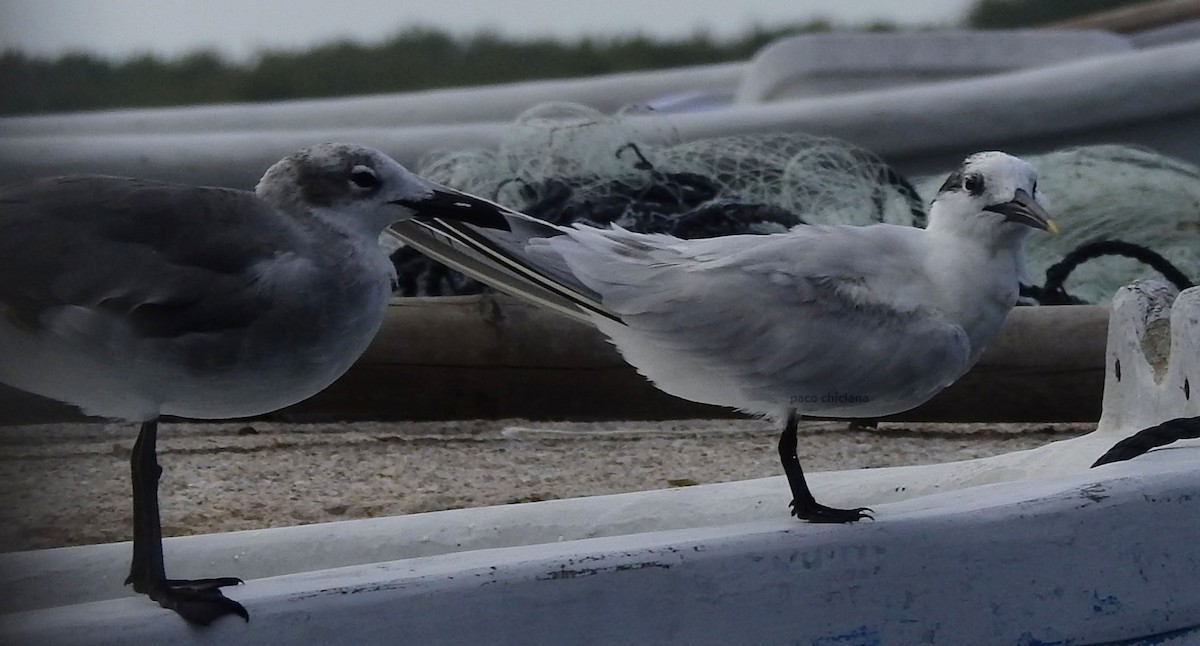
{"x":69,"y":484}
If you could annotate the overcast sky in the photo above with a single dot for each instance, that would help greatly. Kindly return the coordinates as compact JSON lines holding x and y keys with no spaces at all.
{"x":240,"y":28}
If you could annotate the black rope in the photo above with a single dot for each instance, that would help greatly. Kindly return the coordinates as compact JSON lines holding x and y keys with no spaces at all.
{"x":1172,"y":430}
{"x":1053,"y":292}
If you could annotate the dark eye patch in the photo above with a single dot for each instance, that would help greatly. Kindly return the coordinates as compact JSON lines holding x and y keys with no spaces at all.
{"x":973,"y":184}
{"x":364,"y":178}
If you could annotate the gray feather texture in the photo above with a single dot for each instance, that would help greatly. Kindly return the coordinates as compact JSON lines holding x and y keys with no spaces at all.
{"x":132,"y":298}
{"x":827,"y":320}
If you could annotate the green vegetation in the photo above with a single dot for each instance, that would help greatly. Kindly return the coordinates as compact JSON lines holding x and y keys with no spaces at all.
{"x":412,"y":60}
{"x":1007,"y":14}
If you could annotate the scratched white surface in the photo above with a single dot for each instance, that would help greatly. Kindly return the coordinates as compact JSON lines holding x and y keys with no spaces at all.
{"x":1093,"y":557}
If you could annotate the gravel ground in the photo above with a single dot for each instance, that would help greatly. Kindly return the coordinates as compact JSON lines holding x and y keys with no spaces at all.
{"x":69,"y":484}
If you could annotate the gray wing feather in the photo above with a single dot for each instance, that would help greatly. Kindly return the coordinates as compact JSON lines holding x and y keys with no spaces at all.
{"x":503,"y":258}
{"x":772,"y":321}
{"x":747,"y":321}
{"x":167,"y":259}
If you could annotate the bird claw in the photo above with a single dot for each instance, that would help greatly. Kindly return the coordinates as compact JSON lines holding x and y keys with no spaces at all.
{"x":815,"y":512}
{"x":198,"y":601}
{"x":199,"y":585}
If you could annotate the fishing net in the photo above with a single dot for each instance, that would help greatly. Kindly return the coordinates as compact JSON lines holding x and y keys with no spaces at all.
{"x":568,"y":163}
{"x":1115,"y":193}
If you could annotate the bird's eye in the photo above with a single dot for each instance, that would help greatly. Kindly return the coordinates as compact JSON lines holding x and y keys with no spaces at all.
{"x":364,"y":177}
{"x":973,"y":183}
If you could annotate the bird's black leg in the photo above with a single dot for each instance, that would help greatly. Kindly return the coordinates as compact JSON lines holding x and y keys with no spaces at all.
{"x":803,"y":505}
{"x":199,"y":601}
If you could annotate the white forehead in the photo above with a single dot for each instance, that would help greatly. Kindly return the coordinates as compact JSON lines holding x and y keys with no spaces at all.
{"x":1003,"y":167}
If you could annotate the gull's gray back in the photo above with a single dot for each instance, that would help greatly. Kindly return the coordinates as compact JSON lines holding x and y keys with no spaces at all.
{"x":189,"y":240}
{"x":208,"y":295}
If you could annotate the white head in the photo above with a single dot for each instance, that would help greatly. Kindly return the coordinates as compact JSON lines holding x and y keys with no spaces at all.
{"x":359,"y":188}
{"x":993,"y":197}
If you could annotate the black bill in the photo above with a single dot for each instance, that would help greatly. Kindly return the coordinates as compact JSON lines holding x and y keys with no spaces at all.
{"x":449,"y":204}
{"x":1025,"y":210}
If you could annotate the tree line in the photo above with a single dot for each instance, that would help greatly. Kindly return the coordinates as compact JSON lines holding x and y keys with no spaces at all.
{"x":414,"y":59}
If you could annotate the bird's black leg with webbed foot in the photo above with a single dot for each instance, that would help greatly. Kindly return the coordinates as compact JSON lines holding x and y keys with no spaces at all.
{"x":803,"y":505}
{"x":199,"y":601}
